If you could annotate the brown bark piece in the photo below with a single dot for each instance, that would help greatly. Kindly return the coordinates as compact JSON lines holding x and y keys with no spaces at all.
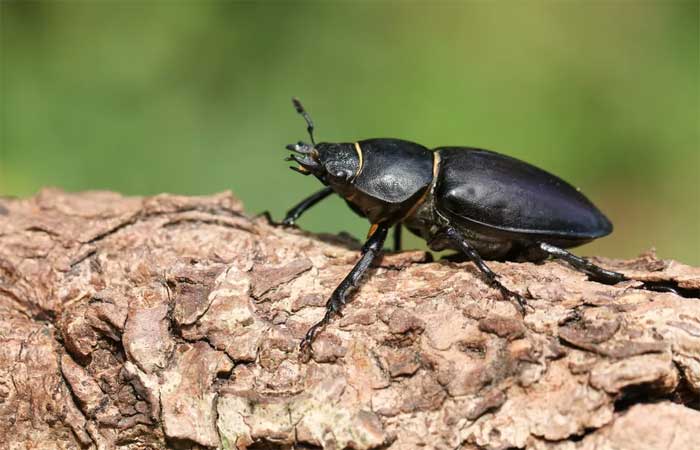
{"x":174,"y":322}
{"x":186,"y":394}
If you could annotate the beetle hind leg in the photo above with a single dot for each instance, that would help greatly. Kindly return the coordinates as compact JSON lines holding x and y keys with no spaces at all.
{"x":542,"y":250}
{"x":594,"y":272}
{"x":458,"y":239}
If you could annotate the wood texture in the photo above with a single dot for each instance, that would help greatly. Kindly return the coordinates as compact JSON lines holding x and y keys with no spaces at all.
{"x":174,"y":321}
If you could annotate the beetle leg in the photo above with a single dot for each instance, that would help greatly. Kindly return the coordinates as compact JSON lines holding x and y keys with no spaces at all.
{"x":596,"y":273}
{"x":491,"y":277}
{"x":372,"y":247}
{"x":397,"y":237}
{"x":299,"y":209}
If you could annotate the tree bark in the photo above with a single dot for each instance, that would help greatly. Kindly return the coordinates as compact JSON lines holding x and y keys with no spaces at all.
{"x":173,"y":321}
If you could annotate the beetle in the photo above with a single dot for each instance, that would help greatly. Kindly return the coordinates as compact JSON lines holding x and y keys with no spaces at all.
{"x":483,"y":204}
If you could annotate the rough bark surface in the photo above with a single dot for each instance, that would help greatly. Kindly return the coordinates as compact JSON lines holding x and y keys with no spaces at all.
{"x":174,"y":322}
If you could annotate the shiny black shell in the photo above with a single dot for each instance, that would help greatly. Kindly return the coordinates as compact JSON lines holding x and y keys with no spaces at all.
{"x":498,"y":195}
{"x":394,"y":174}
{"x":393,"y":170}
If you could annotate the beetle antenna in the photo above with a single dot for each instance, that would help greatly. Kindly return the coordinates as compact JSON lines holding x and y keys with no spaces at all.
{"x":310,"y":124}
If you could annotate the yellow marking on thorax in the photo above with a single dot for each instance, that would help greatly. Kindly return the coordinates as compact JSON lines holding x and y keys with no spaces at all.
{"x":359,"y":156}
{"x":436,"y":166}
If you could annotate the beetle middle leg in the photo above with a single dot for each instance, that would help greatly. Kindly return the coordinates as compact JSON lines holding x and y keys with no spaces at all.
{"x":306,"y":204}
{"x":370,"y":250}
{"x":457,"y":238}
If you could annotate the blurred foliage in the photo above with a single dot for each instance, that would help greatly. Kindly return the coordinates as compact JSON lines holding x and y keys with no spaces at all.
{"x":193,"y":98}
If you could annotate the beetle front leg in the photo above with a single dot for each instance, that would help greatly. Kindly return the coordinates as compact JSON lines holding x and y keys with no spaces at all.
{"x":470,"y":252}
{"x":372,"y":247}
{"x":304,"y":205}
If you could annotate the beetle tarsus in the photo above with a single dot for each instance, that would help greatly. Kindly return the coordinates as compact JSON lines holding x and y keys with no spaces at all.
{"x":520,"y":301}
{"x":267,"y":216}
{"x":305,"y":344}
{"x":339,"y":297}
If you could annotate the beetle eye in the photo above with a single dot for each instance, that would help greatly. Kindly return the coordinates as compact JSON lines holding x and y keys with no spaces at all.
{"x":340,"y":174}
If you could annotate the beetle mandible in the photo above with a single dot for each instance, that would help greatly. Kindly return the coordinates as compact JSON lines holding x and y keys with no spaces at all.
{"x":481,"y":203}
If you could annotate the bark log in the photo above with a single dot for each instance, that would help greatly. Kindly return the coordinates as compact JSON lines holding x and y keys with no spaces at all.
{"x":174,"y":321}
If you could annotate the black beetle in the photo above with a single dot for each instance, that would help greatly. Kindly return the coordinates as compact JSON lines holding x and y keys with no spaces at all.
{"x":478,"y":202}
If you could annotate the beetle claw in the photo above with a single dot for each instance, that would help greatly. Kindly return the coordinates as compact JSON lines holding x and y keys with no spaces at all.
{"x":521,"y":304}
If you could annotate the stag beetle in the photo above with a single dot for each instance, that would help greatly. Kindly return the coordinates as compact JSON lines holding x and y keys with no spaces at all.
{"x":480,"y":203}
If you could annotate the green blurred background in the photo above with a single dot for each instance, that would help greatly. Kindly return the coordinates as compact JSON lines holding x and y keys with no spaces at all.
{"x":193,"y":98}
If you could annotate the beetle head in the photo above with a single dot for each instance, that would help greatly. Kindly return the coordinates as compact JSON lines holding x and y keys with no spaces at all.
{"x":333,"y":164}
